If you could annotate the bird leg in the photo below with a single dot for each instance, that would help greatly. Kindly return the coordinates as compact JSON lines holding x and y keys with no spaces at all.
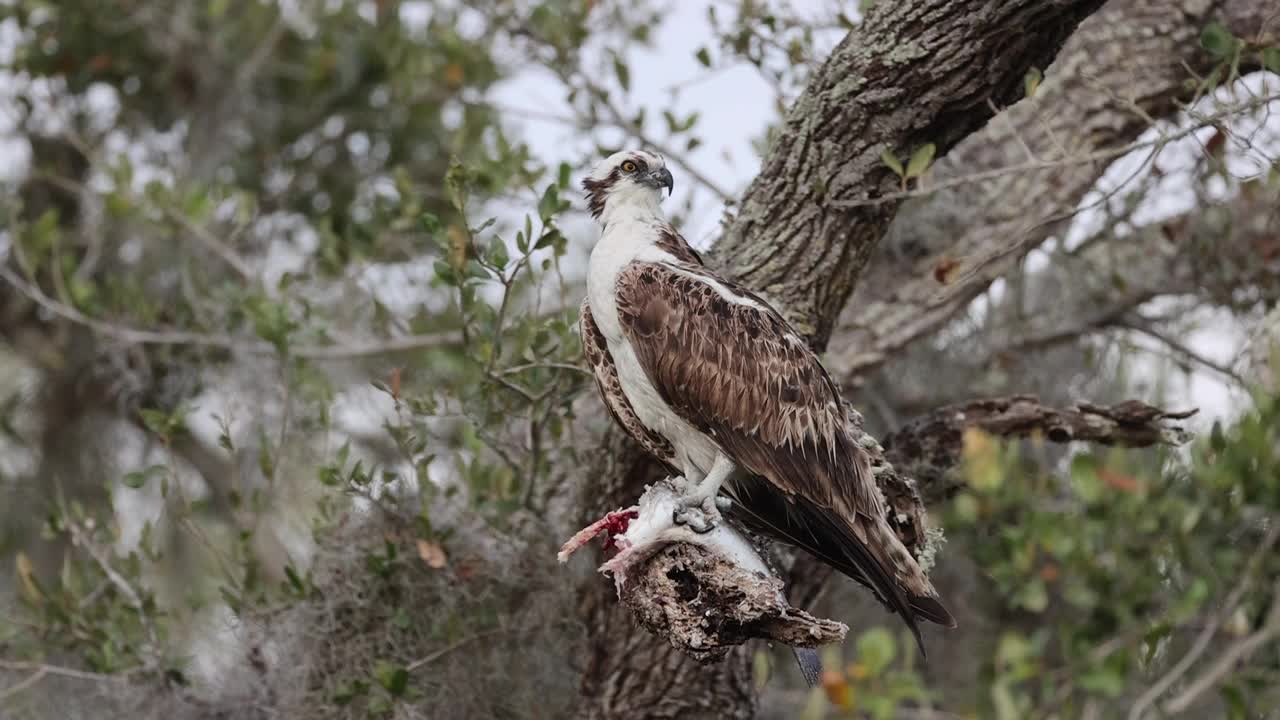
{"x":699,"y":506}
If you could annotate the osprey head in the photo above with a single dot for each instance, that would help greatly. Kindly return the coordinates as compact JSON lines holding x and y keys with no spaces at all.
{"x":630,"y":176}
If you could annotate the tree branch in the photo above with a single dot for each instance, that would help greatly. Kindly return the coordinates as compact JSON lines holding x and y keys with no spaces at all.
{"x":38,"y":671}
{"x":138,"y":336}
{"x":931,"y":446}
{"x":1090,"y":99}
{"x":1231,"y":657}
{"x":1139,"y":708}
{"x":914,"y":74}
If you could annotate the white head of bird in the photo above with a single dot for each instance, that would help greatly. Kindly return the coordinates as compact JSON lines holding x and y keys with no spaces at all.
{"x":625,"y":183}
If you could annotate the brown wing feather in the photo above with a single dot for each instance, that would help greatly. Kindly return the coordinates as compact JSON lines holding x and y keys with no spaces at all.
{"x":596,"y":351}
{"x":771,"y":406}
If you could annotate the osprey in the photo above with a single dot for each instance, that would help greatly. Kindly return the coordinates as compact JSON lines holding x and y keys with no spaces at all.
{"x":713,"y":382}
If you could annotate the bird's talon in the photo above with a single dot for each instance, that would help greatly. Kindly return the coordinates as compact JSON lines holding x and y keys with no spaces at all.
{"x":695,"y":519}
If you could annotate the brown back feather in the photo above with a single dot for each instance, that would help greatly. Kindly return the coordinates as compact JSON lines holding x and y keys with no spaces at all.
{"x":772,"y":407}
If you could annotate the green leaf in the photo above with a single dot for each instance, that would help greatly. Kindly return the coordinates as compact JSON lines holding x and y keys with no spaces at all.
{"x":893,"y":163}
{"x":876,"y":649}
{"x":348,"y":691}
{"x":1084,"y":478}
{"x":233,"y":601}
{"x":760,"y":668}
{"x":704,"y":57}
{"x":445,"y":273}
{"x":1005,"y":705}
{"x":921,"y":159}
{"x":295,"y":580}
{"x":671,"y":120}
{"x":1234,"y":699}
{"x":623,"y":72}
{"x":1217,"y":438}
{"x":455,"y":184}
{"x":1271,"y":59}
{"x":549,"y":204}
{"x":1105,"y":679}
{"x":395,"y":678}
{"x":1012,"y":649}
{"x":1034,"y":596}
{"x":430,"y":223}
{"x":550,"y":237}
{"x":966,"y":507}
{"x":138,"y":478}
{"x":498,"y":253}
{"x":1031,"y":81}
{"x":271,"y":321}
{"x":683,"y":125}
{"x":162,"y":423}
{"x":401,"y":619}
{"x":378,"y":706}
{"x":1217,"y":39}
{"x":562,"y":177}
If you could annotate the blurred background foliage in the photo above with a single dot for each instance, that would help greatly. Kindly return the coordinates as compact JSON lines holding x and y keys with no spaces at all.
{"x":292,"y":415}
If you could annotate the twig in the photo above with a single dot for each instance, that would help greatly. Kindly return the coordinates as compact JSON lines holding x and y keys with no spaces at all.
{"x":1181,"y":349}
{"x":1201,"y":643}
{"x":545,"y":366}
{"x":436,"y":655}
{"x":1226,"y":662}
{"x":617,"y":118}
{"x":1085,"y":159}
{"x":40,"y":670}
{"x":29,"y":681}
{"x":138,"y":336}
{"x":1013,"y":130}
{"x":95,"y":552}
{"x":214,"y":245}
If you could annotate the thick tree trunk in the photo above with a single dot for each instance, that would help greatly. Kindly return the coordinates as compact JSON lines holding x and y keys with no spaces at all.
{"x":1127,"y":65}
{"x":914,"y":73}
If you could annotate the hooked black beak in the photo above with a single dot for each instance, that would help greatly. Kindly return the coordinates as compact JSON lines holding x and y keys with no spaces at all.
{"x":662,"y":178}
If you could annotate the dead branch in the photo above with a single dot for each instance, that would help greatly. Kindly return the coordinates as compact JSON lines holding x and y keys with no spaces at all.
{"x":705,"y":593}
{"x":930,"y":446}
{"x":718,"y":605}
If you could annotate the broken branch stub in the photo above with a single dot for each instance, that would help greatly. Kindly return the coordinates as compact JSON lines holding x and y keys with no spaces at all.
{"x":703,"y":592}
{"x":703,"y":604}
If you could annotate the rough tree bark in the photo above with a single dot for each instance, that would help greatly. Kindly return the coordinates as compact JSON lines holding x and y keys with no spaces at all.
{"x":1217,"y":255}
{"x":914,"y":73}
{"x":1127,"y":65}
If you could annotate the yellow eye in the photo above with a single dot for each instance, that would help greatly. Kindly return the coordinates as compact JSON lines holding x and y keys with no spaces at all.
{"x":628,"y":166}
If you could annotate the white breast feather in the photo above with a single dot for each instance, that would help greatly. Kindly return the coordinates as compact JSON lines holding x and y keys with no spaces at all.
{"x":623,"y":243}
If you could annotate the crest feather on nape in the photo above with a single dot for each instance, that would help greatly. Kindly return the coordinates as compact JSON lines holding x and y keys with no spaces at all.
{"x":597,"y":191}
